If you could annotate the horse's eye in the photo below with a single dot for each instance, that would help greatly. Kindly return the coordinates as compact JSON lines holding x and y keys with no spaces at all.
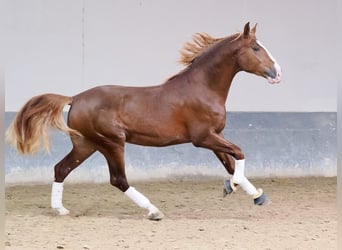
{"x":256,"y":49}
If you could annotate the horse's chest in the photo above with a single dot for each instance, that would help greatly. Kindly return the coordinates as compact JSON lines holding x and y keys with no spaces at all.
{"x":218,"y":121}
{"x":212,"y":118}
{"x":215,"y":111}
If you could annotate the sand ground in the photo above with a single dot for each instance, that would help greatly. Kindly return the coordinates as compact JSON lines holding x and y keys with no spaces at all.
{"x":302,"y":215}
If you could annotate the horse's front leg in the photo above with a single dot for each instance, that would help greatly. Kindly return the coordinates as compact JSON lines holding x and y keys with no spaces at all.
{"x":226,"y":151}
{"x":229,"y":164}
{"x":114,"y":154}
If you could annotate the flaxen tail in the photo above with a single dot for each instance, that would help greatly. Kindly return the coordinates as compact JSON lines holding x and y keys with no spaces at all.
{"x":30,"y":126}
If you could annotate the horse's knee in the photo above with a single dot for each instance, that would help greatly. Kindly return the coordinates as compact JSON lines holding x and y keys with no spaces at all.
{"x":119,"y":182}
{"x":237,"y":153}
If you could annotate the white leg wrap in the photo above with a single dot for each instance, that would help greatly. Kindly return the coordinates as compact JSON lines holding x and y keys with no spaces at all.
{"x":56,"y":198}
{"x":240,"y":179}
{"x":142,"y":201}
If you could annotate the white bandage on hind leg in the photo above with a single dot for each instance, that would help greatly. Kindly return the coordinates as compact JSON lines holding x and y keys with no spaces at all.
{"x":56,"y":198}
{"x":240,"y":179}
{"x":140,"y":199}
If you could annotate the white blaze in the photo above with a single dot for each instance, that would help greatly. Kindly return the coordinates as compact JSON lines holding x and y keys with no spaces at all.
{"x":276,"y":65}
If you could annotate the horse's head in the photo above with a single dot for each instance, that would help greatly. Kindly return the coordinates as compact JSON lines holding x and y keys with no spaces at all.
{"x":253,"y":57}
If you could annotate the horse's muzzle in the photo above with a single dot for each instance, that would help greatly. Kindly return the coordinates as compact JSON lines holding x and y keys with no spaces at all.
{"x":273,"y":76}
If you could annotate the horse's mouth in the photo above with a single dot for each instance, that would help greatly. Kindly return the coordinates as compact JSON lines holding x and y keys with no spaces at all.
{"x":274,"y":80}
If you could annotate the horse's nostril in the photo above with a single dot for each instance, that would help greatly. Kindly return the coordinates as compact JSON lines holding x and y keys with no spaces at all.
{"x":272,"y":73}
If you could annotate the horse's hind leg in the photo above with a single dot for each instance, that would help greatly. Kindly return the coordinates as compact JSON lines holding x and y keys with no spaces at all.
{"x":81,"y":150}
{"x":114,"y":153}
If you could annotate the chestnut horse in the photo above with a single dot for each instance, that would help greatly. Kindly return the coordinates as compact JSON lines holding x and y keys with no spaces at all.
{"x":188,"y":108}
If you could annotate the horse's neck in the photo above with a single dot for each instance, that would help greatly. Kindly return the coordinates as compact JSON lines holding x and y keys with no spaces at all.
{"x":221,"y":81}
{"x":218,"y":76}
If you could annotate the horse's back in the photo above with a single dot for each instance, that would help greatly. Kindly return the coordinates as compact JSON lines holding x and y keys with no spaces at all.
{"x":141,"y":114}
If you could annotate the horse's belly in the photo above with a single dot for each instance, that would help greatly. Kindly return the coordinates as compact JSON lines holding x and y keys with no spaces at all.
{"x":156,"y":139}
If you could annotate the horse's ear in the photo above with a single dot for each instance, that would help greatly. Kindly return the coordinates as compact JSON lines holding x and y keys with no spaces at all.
{"x":253,"y":31}
{"x":246,"y":30}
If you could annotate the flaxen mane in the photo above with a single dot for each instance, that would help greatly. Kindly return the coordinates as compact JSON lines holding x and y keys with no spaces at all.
{"x":191,"y":50}
{"x":200,"y":43}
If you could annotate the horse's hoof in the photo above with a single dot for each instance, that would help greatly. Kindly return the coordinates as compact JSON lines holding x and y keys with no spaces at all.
{"x":157,"y":216}
{"x":62,"y":211}
{"x":261,"y":199}
{"x":229,"y":187}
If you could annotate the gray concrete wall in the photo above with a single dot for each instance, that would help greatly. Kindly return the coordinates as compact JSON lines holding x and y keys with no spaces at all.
{"x":276,"y":144}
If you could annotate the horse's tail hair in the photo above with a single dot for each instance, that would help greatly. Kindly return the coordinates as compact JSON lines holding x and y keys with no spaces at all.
{"x":30,"y":126}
